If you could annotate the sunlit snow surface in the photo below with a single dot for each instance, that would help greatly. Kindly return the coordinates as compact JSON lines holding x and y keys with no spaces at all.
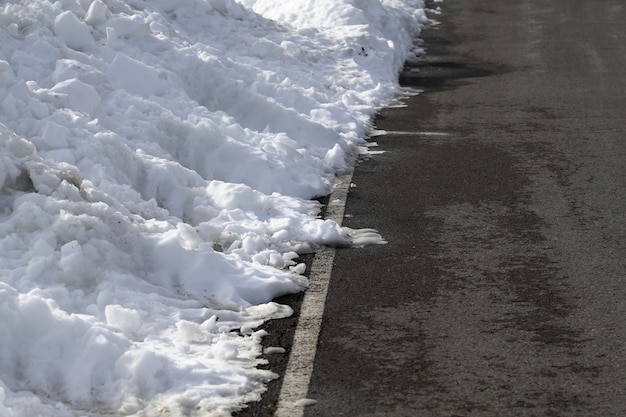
{"x":157,"y":161}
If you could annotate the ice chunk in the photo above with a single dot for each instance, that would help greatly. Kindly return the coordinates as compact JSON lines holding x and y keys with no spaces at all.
{"x":55,"y":135}
{"x":128,"y":26}
{"x":135,"y":76}
{"x":70,"y":68}
{"x":4,"y":68}
{"x":97,"y":13}
{"x":82,"y":97}
{"x":75,"y":33}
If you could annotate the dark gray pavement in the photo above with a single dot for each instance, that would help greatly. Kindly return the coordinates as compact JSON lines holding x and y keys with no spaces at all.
{"x":502,"y":291}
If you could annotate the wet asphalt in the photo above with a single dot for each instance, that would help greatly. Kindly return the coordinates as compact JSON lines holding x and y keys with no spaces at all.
{"x":502,"y":194}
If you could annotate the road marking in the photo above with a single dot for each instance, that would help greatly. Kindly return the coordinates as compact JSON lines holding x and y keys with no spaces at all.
{"x":292,"y":398}
{"x":407,"y":133}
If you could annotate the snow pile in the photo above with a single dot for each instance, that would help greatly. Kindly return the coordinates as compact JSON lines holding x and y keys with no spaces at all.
{"x":157,"y":161}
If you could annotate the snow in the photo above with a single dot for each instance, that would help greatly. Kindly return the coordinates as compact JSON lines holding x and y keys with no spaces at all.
{"x":73,"y":32}
{"x":158,"y":165}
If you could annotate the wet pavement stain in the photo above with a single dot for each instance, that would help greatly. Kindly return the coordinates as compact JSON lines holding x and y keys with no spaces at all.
{"x":429,"y":76}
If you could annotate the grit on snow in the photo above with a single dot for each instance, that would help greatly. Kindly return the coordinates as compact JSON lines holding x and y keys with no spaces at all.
{"x":158,"y":161}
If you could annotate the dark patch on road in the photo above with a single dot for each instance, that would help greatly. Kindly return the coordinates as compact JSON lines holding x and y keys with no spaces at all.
{"x":434,"y":75}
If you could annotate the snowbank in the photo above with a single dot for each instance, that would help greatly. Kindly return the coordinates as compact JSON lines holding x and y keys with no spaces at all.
{"x":157,"y":164}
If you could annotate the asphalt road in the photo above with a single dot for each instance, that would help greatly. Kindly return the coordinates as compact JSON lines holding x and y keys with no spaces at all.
{"x":502,"y":193}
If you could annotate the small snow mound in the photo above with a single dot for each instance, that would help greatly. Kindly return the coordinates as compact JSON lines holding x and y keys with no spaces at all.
{"x":127,"y":320}
{"x":225,"y":350}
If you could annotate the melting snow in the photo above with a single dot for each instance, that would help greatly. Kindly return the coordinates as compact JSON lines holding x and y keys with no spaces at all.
{"x":158,"y":161}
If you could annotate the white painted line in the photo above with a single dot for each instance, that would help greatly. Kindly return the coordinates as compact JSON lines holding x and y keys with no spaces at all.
{"x":292,"y":399}
{"x":407,"y":133}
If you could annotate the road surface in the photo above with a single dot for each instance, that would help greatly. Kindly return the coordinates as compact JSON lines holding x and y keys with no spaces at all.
{"x":502,"y":193}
